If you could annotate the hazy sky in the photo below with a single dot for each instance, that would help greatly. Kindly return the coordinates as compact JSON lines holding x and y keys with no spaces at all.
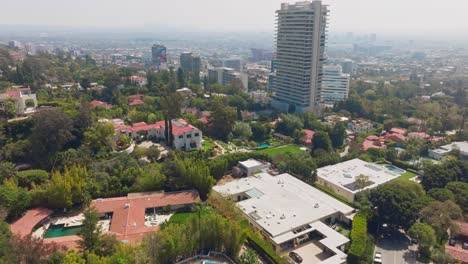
{"x":394,"y":16}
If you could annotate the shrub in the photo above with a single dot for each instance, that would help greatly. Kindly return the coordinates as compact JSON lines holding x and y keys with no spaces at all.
{"x":32,"y":177}
{"x":358,"y":239}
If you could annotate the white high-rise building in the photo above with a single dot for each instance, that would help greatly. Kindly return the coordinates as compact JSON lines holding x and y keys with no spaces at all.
{"x":335,"y":84}
{"x":300,"y":46}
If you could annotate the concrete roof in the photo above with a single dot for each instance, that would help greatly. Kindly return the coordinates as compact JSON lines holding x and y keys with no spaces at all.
{"x":250,"y":163}
{"x":461,"y":145}
{"x":282,"y":203}
{"x":344,"y":173}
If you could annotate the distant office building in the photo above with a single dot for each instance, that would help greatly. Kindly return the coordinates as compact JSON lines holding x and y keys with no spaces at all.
{"x":190,"y":64}
{"x":349,"y":66}
{"x":261,"y":55}
{"x":335,"y":84}
{"x":370,"y":49}
{"x":300,"y":47}
{"x":233,"y":63}
{"x":373,"y":37}
{"x":13,"y":44}
{"x":159,"y":56}
{"x":225,"y":76}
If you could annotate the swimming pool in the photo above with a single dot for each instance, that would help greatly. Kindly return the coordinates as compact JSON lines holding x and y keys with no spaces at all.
{"x":210,"y":262}
{"x":61,"y":230}
{"x":394,"y":169}
{"x":263,"y":145}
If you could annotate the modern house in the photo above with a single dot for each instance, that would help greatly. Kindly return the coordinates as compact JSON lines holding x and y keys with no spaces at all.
{"x":250,"y":167}
{"x":343,"y":178}
{"x":291,"y":214}
{"x":186,"y":136}
{"x":26,"y":101}
{"x":461,"y":146}
{"x":358,"y":126}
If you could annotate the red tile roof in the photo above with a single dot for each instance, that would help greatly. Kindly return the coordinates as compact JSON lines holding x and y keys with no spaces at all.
{"x":135,"y":96}
{"x":395,"y":137}
{"x":309,"y":136}
{"x":457,"y":253}
{"x":367,"y":144}
{"x":66,"y":241}
{"x":179,"y":127}
{"x":372,"y":138}
{"x":136,"y":102}
{"x":397,"y":130}
{"x":96,"y":103}
{"x":422,"y":135}
{"x":203,"y":119}
{"x":128,"y":219}
{"x":24,"y":225}
{"x":14,"y":94}
{"x":136,"y":78}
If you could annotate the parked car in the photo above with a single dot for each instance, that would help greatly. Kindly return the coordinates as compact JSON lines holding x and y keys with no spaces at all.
{"x":465,"y":245}
{"x":295,"y":257}
{"x":452,"y":242}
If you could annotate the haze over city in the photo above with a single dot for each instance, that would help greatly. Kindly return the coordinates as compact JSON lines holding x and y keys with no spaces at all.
{"x":396,"y":17}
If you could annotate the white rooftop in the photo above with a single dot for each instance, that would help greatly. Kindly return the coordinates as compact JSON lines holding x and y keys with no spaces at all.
{"x":460,"y":145}
{"x":250,"y":163}
{"x":344,"y":173}
{"x":282,"y":203}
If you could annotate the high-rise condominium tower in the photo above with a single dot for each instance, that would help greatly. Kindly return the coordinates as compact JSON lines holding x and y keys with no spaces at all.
{"x":300,"y":46}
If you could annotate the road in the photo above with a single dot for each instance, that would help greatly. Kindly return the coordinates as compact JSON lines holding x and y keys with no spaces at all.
{"x":396,"y":249}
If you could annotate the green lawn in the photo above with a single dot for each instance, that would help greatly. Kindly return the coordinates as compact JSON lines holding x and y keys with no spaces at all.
{"x":183,"y":217}
{"x":407,"y":175}
{"x":279,"y":150}
{"x":207,"y":143}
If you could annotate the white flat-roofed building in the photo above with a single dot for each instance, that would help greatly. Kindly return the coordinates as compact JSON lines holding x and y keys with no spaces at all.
{"x":335,"y":84}
{"x":290,"y":212}
{"x":250,"y":166}
{"x":341,"y":177}
{"x":461,"y":146}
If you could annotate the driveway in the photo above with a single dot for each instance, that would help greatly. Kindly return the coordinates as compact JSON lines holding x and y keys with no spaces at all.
{"x":396,"y":249}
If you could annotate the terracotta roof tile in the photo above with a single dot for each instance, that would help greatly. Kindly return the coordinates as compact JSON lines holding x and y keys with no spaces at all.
{"x":24,"y":225}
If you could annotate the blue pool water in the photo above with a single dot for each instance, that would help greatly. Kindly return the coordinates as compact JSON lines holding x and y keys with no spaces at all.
{"x":263,"y":145}
{"x":394,"y":169}
{"x":210,"y":262}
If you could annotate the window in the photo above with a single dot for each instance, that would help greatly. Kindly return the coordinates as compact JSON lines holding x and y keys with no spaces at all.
{"x":181,"y":136}
{"x":189,"y":136}
{"x":197,"y":134}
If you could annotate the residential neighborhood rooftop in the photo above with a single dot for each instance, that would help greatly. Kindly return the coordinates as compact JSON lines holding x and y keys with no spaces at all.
{"x":344,"y":174}
{"x":24,"y":225}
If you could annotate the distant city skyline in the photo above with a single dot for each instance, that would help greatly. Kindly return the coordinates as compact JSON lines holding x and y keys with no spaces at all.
{"x":421,"y":17}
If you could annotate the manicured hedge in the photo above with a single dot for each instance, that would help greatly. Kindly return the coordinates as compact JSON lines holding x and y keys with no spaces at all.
{"x":358,"y":239}
{"x":263,"y":249}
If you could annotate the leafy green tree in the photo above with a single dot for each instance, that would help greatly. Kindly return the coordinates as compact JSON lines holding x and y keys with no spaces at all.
{"x":221,"y":120}
{"x":181,"y":77}
{"x":300,"y":164}
{"x":150,"y":180}
{"x":248,"y":257}
{"x":68,"y":188}
{"x":288,"y":124}
{"x":441,"y":216}
{"x":153,"y":153}
{"x":10,"y":108}
{"x":242,"y":131}
{"x":13,"y":198}
{"x":260,"y":132}
{"x":90,"y":231}
{"x":401,"y":198}
{"x":438,"y":175}
{"x":51,"y":131}
{"x":299,"y":136}
{"x":196,"y":174}
{"x":362,"y":181}
{"x":460,"y":191}
{"x":338,"y":134}
{"x":170,"y":106}
{"x":322,"y":141}
{"x":441,"y":195}
{"x":100,"y":137}
{"x":31,"y":178}
{"x":425,"y":236}
{"x":7,"y":170}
